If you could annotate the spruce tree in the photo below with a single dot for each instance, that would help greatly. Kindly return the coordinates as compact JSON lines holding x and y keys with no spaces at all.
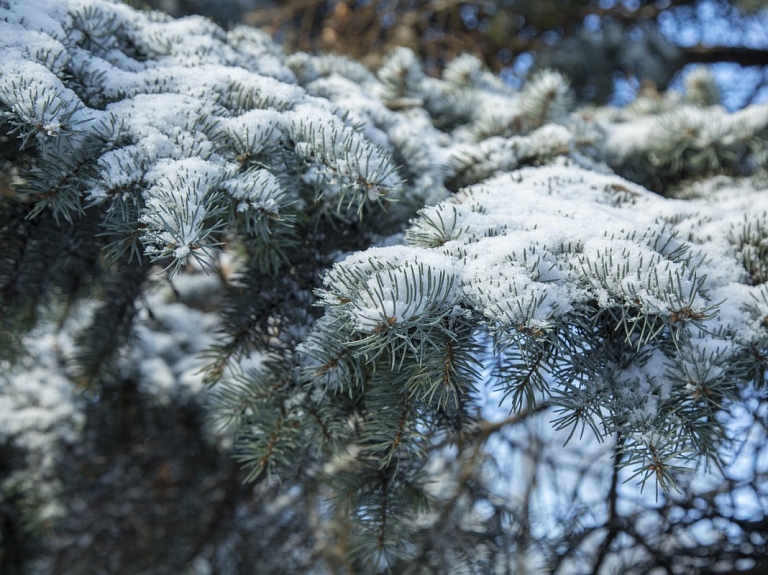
{"x":213,"y":251}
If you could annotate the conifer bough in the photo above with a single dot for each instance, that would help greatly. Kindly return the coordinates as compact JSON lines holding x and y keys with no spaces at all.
{"x":608,"y":265}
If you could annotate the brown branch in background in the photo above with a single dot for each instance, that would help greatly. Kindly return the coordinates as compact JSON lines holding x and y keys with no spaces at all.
{"x":367,"y":32}
{"x":712,"y":54}
{"x":613,"y":522}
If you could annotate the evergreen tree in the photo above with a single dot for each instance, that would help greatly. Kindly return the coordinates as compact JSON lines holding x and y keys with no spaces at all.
{"x":214,"y":251}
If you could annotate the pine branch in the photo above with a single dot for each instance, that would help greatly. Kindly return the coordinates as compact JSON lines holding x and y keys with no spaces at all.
{"x":100,"y":343}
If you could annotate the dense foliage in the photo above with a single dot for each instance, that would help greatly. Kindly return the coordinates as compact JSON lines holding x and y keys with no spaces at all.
{"x":212,"y":250}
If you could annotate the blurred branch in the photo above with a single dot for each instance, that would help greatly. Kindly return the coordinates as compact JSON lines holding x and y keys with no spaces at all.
{"x":714,"y":54}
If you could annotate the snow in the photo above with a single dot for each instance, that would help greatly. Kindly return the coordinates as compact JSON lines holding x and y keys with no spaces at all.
{"x":258,"y":129}
{"x":41,"y":412}
{"x":38,"y":15}
{"x":30,"y":45}
{"x":38,"y":98}
{"x":526,"y":240}
{"x":390,"y":285}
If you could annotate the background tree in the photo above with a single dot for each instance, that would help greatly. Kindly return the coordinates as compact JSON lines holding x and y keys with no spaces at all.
{"x":601,"y":46}
{"x":214,"y":249}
